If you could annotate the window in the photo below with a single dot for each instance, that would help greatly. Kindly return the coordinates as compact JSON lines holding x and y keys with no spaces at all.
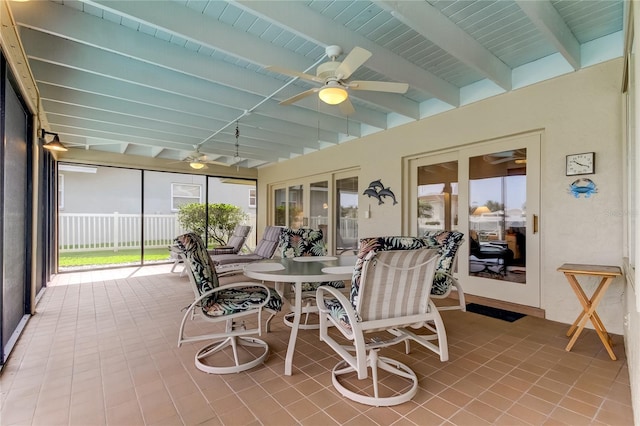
{"x":60,"y":192}
{"x":183,"y":193}
{"x":252,"y":198}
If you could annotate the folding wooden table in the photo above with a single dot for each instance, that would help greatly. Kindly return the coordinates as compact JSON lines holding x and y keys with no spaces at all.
{"x":589,"y":305}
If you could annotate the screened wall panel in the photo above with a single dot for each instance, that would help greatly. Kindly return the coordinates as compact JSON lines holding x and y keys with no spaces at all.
{"x":15,"y":214}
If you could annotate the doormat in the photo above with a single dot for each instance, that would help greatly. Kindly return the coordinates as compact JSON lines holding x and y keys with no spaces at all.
{"x":494,"y":312}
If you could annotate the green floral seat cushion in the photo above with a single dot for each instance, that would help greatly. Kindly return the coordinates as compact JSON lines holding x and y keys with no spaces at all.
{"x":305,"y":242}
{"x":447,"y":243}
{"x":368,"y":249}
{"x":241,"y":299}
{"x":224,"y":302}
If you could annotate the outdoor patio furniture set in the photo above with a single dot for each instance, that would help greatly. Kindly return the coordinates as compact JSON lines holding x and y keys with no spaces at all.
{"x":393,"y":283}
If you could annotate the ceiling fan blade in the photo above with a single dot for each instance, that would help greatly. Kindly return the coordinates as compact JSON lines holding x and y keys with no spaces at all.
{"x":292,"y":73}
{"x":346,"y":107}
{"x":352,"y":62}
{"x":379,"y":86}
{"x":299,"y":96}
{"x":218,"y":163}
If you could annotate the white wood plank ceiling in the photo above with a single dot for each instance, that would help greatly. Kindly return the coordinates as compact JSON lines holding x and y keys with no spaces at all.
{"x":159,"y":78}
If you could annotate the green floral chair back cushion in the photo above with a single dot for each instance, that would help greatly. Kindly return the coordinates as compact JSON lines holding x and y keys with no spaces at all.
{"x":305,"y":242}
{"x":447,"y":243}
{"x":199,"y":261}
{"x":226,"y":302}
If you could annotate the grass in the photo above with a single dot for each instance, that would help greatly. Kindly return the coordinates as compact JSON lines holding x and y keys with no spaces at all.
{"x":109,"y":257}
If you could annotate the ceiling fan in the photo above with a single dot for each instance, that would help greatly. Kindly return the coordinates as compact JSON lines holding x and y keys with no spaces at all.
{"x":334,"y":77}
{"x":518,"y":156}
{"x":198,"y":160}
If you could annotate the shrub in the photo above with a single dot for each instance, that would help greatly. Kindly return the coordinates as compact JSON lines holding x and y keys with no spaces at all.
{"x":222,"y":220}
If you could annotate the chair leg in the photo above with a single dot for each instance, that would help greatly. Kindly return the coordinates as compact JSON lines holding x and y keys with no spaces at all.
{"x":376,"y":362}
{"x":235,"y":343}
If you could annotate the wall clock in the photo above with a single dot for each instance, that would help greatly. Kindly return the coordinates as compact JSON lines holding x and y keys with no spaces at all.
{"x":581,"y":164}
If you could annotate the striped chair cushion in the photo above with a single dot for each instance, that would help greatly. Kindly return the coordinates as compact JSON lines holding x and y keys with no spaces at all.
{"x":396,"y":284}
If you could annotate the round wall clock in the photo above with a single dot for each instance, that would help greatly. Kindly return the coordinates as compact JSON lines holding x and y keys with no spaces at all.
{"x":581,"y":164}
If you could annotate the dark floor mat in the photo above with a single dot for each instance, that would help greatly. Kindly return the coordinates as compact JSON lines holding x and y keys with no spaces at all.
{"x":494,"y":312}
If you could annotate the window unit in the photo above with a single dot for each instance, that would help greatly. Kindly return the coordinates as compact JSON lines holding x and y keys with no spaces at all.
{"x":184,"y":193}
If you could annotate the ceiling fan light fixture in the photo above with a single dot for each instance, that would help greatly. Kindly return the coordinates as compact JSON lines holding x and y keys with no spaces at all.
{"x":196,"y":165}
{"x":333,"y":95}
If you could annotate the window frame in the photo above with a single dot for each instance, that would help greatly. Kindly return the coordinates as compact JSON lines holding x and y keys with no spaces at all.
{"x":174,"y":196}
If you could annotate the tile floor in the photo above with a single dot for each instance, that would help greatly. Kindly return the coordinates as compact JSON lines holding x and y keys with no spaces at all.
{"x":102,"y":349}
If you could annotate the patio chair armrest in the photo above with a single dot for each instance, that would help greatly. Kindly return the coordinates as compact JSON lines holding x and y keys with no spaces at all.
{"x":352,"y":317}
{"x":242,"y":284}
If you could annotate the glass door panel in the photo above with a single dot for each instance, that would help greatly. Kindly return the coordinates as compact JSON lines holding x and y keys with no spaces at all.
{"x":502,"y":199}
{"x":497,"y":217}
{"x":296,"y":207}
{"x":437,"y":197}
{"x":346,"y":215}
{"x":489,"y":192}
{"x":319,"y":206}
{"x":280,"y":207}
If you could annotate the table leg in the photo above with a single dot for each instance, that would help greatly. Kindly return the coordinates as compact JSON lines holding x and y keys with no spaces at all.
{"x":582,"y":298}
{"x":297,"y":313}
{"x":589,"y":312}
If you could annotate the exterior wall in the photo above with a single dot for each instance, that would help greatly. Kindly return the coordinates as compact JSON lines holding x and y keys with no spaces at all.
{"x":108,"y":190}
{"x":578,"y":112}
{"x":113,"y":189}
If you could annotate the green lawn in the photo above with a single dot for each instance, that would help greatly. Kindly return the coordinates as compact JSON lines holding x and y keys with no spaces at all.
{"x":109,"y":257}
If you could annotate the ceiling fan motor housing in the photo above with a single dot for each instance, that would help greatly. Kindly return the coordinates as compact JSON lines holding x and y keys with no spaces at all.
{"x":327,"y":70}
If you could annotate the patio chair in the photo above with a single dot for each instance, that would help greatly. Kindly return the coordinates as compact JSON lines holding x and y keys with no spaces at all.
{"x":232,"y":305}
{"x":228,"y":264}
{"x":447,"y":243}
{"x":389,"y":293}
{"x":490,"y":255}
{"x":297,"y":243}
{"x":235,"y":243}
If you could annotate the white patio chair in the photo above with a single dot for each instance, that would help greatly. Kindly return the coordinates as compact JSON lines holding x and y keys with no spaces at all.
{"x":390,"y":293}
{"x":230,"y":305}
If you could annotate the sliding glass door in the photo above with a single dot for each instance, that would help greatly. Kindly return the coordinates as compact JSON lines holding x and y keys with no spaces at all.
{"x":327,"y":202}
{"x":489,"y":192}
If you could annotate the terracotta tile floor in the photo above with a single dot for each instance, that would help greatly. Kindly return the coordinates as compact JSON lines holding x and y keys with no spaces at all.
{"x":102,"y":349}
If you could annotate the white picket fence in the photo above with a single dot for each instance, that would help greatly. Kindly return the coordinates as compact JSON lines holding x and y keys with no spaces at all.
{"x":115,"y":231}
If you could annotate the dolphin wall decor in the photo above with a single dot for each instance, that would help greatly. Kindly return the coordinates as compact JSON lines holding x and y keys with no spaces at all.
{"x":377,"y":190}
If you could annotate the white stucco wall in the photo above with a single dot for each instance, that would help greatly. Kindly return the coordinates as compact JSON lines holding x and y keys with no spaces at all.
{"x":578,"y":112}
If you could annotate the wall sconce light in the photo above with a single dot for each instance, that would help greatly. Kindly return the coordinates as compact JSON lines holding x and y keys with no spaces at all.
{"x":55,"y":144}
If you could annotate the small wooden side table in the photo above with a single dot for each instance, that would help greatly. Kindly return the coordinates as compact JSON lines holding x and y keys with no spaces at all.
{"x":589,"y":305}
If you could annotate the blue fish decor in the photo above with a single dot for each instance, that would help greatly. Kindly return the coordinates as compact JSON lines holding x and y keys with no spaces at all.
{"x":377,"y":190}
{"x":583,"y":186}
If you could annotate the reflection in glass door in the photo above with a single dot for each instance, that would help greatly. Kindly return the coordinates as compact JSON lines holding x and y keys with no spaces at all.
{"x":280,"y":207}
{"x":319,"y":206}
{"x":296,"y":206}
{"x":302,"y":205}
{"x":437,"y":203}
{"x":346,"y":215}
{"x":497,"y":215}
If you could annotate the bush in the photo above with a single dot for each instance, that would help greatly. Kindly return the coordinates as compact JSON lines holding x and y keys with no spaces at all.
{"x":222,"y":220}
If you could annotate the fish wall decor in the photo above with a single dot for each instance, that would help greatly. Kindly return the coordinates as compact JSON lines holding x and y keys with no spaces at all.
{"x":377,"y":190}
